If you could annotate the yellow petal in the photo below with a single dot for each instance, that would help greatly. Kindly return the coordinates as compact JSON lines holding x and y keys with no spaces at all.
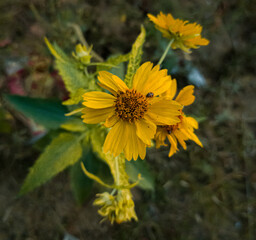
{"x":181,"y":138}
{"x":185,"y":96}
{"x":111,"y":82}
{"x":145,"y":130}
{"x":164,"y":112}
{"x":111,"y":121}
{"x":141,"y":76}
{"x":148,"y":79}
{"x":192,"y":136}
{"x":93,"y":116}
{"x":192,"y":122}
{"x":173,"y":142}
{"x":98,"y":100}
{"x":116,"y":139}
{"x":134,"y":147}
{"x":171,"y":92}
{"x":160,"y":137}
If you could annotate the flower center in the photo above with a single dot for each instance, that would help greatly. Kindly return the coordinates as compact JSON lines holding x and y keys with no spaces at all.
{"x":130,"y":105}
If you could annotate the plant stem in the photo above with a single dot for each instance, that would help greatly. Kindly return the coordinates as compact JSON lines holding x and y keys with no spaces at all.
{"x":165,"y":52}
{"x":117,"y":171}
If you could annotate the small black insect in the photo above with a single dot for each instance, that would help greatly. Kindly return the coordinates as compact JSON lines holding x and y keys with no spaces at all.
{"x":169,"y":131}
{"x":150,"y":95}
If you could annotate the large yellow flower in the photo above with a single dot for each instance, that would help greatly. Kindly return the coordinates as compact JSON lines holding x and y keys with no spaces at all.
{"x":132,"y":114}
{"x":182,"y":131}
{"x":185,"y":35}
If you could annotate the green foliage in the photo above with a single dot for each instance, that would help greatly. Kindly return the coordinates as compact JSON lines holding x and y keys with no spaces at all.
{"x":74,"y":125}
{"x":69,"y":70}
{"x":63,"y":151}
{"x":134,"y":168}
{"x":49,"y":113}
{"x":114,"y":61}
{"x":5,"y":126}
{"x":135,"y":57}
{"x":82,"y":185}
{"x":75,"y":97}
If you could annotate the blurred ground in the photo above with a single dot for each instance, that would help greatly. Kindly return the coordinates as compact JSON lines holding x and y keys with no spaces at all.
{"x":201,"y":194}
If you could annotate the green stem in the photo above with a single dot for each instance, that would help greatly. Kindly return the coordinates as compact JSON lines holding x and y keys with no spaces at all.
{"x":165,"y":52}
{"x":117,"y":171}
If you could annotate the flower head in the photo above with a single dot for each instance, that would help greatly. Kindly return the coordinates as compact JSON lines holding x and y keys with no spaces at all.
{"x":184,"y":129}
{"x":83,"y":54}
{"x":132,"y":114}
{"x":185,"y":35}
{"x":118,"y":208}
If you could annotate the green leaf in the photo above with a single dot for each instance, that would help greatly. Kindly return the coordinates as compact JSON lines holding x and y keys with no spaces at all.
{"x":119,"y":70}
{"x":133,"y":168}
{"x":114,"y":61}
{"x":63,"y":151}
{"x":49,"y":113}
{"x":135,"y":57}
{"x":72,"y":76}
{"x":82,"y":185}
{"x":74,"y":125}
{"x":75,"y":97}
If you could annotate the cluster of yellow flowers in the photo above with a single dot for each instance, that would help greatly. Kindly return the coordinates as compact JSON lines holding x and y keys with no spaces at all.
{"x":147,"y":111}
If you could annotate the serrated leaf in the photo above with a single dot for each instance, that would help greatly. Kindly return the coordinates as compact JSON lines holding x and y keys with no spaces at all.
{"x":63,"y":151}
{"x":114,"y":61}
{"x":56,"y":51}
{"x":49,"y":113}
{"x":133,"y":168}
{"x":135,"y":57}
{"x":72,"y":76}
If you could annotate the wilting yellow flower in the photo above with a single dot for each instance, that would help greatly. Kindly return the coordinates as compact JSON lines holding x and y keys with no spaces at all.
{"x":132,"y":114}
{"x":185,"y":35}
{"x":182,"y":131}
{"x":118,"y":208}
{"x":82,"y":53}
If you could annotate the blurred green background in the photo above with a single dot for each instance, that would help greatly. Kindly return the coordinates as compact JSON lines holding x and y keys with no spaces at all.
{"x":200,"y":194}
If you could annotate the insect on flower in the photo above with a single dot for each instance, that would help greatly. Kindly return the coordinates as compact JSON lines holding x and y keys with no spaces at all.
{"x":132,"y":114}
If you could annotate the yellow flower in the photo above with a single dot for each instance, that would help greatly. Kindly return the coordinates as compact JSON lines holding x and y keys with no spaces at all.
{"x":132,"y":114}
{"x":182,"y":131}
{"x":185,"y":35}
{"x":118,"y":208}
{"x":82,"y":53}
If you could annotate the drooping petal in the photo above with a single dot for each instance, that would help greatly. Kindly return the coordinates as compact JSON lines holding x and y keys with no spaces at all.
{"x":173,"y":142}
{"x":98,"y":100}
{"x":93,"y":116}
{"x":190,"y":135}
{"x":192,"y":122}
{"x":185,"y":96}
{"x":160,"y":137}
{"x":115,"y":140}
{"x":181,"y":138}
{"x":164,"y":112}
{"x":111,"y":82}
{"x":145,"y":130}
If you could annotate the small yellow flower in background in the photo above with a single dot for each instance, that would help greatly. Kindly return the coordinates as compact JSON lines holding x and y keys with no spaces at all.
{"x":82,"y":53}
{"x":132,"y":114}
{"x":185,"y":35}
{"x":182,"y":131}
{"x":118,"y":208}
